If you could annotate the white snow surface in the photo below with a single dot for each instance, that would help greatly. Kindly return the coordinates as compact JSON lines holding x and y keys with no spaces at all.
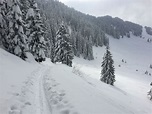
{"x":30,"y":13}
{"x":27,"y":87}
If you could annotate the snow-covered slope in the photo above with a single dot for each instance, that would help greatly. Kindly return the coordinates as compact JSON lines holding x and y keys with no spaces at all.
{"x":20,"y":85}
{"x":32,"y":88}
{"x":130,"y":76}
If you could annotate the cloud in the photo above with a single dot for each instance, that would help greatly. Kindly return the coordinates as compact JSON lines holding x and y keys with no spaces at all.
{"x":138,"y":11}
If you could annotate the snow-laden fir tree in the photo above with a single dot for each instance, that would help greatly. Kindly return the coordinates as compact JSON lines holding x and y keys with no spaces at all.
{"x":3,"y":23}
{"x":35,"y":32}
{"x":16,"y":37}
{"x":108,"y":71}
{"x":85,"y":50}
{"x":25,"y":5}
{"x":63,"y":47}
{"x":150,"y":66}
{"x":89,"y":49}
{"x":52,"y":49}
{"x":77,"y":47}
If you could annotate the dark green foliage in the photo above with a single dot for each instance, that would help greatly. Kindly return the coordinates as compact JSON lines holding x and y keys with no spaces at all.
{"x":148,"y":30}
{"x":108,"y":71}
{"x":63,"y":48}
{"x":35,"y":32}
{"x":16,"y":37}
{"x":22,"y":29}
{"x":117,"y":27}
{"x":24,"y":6}
{"x":134,"y":28}
{"x":150,"y":66}
{"x":3,"y":26}
{"x":82,"y":27}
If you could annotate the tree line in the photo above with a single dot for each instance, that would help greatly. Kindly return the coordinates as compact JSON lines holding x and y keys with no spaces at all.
{"x":33,"y":26}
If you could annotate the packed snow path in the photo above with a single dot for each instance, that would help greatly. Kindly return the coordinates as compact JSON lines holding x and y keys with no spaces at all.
{"x":32,"y":99}
{"x":56,"y":95}
{"x":41,"y":102}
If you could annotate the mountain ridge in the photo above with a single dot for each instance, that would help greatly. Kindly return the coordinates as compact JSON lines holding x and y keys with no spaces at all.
{"x":84,"y":25}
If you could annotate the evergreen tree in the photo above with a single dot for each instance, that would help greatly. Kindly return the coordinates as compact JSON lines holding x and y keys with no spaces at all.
{"x":90,"y":50}
{"x":24,"y":8}
{"x":73,"y":37}
{"x":85,"y":49}
{"x":52,"y":50}
{"x":106,"y":41}
{"x":78,"y":44}
{"x":63,"y":48}
{"x":3,"y":26}
{"x":52,"y":40}
{"x":108,"y":71}
{"x":16,"y":38}
{"x":35,"y":32}
{"x":150,"y":66}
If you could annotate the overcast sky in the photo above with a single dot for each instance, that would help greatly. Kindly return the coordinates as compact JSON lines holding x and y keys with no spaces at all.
{"x":138,"y":11}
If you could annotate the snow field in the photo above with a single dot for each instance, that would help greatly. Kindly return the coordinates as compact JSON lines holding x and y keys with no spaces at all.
{"x":131,"y":80}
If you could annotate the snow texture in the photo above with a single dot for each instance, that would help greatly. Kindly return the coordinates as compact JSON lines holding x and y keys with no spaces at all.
{"x":30,"y":13}
{"x":27,"y":87}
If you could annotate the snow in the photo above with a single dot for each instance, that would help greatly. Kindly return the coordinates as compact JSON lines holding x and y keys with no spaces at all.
{"x":20,"y":85}
{"x":41,"y":53}
{"x":30,"y":13}
{"x":17,"y":11}
{"x":27,"y":87}
{"x":9,"y":2}
{"x":17,"y":50}
{"x":1,"y":1}
{"x":145,"y":35}
{"x":21,"y":29}
{"x":42,"y":40}
{"x":35,"y":5}
{"x":133,"y":84}
{"x":1,"y":19}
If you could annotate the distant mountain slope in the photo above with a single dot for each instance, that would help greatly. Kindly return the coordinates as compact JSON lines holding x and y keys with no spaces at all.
{"x":112,"y":26}
{"x":84,"y":28}
{"x":119,"y":27}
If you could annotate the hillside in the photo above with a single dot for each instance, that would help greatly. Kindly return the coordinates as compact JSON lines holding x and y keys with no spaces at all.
{"x":84,"y":27}
{"x":36,"y":23}
{"x":50,"y":61}
{"x":28,"y":87}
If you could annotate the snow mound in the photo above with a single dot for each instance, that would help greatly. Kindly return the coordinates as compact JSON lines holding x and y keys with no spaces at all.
{"x":30,"y":58}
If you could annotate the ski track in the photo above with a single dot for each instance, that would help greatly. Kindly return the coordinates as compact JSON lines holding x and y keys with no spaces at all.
{"x":41,"y":102}
{"x":32,"y":99}
{"x":41,"y":94}
{"x":56,"y":97}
